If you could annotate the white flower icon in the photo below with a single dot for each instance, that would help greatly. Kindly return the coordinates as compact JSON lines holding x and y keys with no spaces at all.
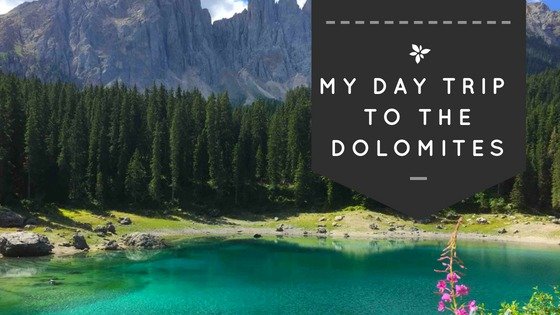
{"x":418,"y":52}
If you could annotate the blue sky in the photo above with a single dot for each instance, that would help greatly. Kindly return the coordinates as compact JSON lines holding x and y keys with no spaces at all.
{"x":553,"y":4}
{"x":219,"y":9}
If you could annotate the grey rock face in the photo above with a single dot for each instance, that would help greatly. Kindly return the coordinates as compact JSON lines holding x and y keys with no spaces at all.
{"x":543,"y":23}
{"x":8,"y":218}
{"x":24,"y":244}
{"x":143,"y":241}
{"x":262,"y":51}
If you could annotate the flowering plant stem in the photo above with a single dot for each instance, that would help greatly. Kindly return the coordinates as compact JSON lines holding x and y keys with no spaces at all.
{"x":449,"y":288}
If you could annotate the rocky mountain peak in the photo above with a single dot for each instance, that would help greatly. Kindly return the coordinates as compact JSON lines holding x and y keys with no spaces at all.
{"x":263,"y":51}
{"x":543,"y":23}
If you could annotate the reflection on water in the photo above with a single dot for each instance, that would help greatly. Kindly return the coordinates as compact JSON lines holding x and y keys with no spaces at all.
{"x":275,"y":275}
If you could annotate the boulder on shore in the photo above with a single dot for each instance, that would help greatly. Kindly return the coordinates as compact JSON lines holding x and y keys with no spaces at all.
{"x":110,"y":245}
{"x":111,"y":228}
{"x":8,"y":218}
{"x":143,"y":241}
{"x":321,"y":230}
{"x":125,"y":221}
{"x":24,"y":244}
{"x":79,"y":242}
{"x":104,"y":229}
{"x":482,"y":220}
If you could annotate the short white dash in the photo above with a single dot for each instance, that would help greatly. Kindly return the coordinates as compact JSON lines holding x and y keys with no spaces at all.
{"x":418,"y":22}
{"x":360,"y":22}
{"x":506,"y":22}
{"x":477,"y":22}
{"x":491,"y":22}
{"x":433,"y":22}
{"x":331,"y":22}
{"x":461,"y":22}
{"x":389,"y":22}
{"x":344,"y":22}
{"x":373,"y":22}
{"x":447,"y":22}
{"x":418,"y":178}
{"x":403,"y":22}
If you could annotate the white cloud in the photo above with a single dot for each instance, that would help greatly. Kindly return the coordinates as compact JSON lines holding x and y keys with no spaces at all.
{"x":222,"y":9}
{"x":301,"y":3}
{"x":7,"y":5}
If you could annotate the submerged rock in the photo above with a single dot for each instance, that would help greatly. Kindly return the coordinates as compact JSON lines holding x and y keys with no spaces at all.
{"x":321,"y":230}
{"x":339,"y":218}
{"x":24,"y":244}
{"x":280,"y":228}
{"x":257,"y":236}
{"x":143,"y":240}
{"x":8,"y":218}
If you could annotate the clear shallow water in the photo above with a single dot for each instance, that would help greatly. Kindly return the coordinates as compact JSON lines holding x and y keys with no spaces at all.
{"x":307,"y":276}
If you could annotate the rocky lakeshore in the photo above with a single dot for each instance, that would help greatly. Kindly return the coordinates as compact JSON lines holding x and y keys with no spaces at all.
{"x":23,"y":235}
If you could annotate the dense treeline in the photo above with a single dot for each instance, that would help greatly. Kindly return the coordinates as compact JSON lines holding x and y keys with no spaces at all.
{"x":116,"y":146}
{"x":120,"y":147}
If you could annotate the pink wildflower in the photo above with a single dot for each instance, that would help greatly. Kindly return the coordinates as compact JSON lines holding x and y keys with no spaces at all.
{"x":441,"y":306}
{"x":461,"y":290}
{"x":453,"y":277}
{"x":461,"y":311}
{"x":472,"y":306}
{"x":441,"y":285}
{"x":446,"y":297}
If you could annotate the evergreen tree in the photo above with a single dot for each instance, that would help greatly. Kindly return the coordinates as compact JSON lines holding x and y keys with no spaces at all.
{"x":178,"y":141}
{"x":302,"y":183}
{"x":156,"y":187}
{"x":517,"y":197}
{"x":137,"y":178}
{"x":35,"y":148}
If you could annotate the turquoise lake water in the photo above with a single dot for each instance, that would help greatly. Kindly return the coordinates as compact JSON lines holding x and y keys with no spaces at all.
{"x":285,"y":276}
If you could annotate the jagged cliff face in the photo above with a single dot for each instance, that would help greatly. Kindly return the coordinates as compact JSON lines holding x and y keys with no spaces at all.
{"x":267,"y":46}
{"x":543,"y":41}
{"x":543,"y":23}
{"x":263,"y":51}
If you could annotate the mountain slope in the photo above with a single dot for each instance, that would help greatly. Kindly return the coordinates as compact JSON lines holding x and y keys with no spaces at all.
{"x":543,"y":38}
{"x":263,"y":51}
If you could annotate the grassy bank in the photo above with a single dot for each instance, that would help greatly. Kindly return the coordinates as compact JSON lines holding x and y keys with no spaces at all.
{"x":354,"y":222}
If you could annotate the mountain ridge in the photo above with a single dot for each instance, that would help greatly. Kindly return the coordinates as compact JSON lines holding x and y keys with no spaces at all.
{"x":263,"y":51}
